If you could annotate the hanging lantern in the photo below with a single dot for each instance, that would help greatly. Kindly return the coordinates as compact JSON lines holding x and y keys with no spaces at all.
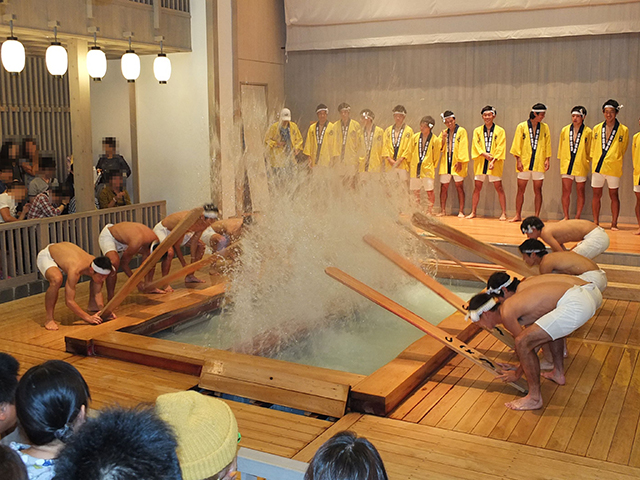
{"x":12,"y":54}
{"x":130,"y":64}
{"x":162,"y":67}
{"x":56,"y":56}
{"x":96,"y":63}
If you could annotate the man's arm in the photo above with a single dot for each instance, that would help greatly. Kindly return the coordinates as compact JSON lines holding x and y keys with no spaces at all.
{"x":193,"y":244}
{"x":550,"y":240}
{"x":70,"y":300}
{"x":178,"y":251}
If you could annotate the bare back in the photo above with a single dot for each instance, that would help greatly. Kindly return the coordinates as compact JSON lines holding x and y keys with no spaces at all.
{"x":70,"y":258}
{"x":534,"y":301}
{"x":171,"y":221}
{"x":566,"y":231}
{"x":569,"y":263}
{"x":133,"y":234}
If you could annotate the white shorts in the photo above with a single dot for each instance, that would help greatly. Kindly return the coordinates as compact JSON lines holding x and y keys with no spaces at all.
{"x":492,"y":178}
{"x":593,"y":244}
{"x":636,"y":188}
{"x":446,"y":178}
{"x":427,"y":183}
{"x":45,"y":261}
{"x":163,"y":232}
{"x":531,"y":175}
{"x":577,"y":178}
{"x":108,"y":243}
{"x":597,"y":277}
{"x":573,"y":310}
{"x":208,"y":234}
{"x":597,"y":181}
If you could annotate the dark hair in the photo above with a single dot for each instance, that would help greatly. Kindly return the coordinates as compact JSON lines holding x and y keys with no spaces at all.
{"x":581,"y":109}
{"x":15,"y":184}
{"x":9,"y":367}
{"x":11,"y":465}
{"x":399,"y":108}
{"x":488,"y":108}
{"x":369,"y":113}
{"x":121,"y":444}
{"x":321,"y":106}
{"x":537,"y":106}
{"x":6,"y":147}
{"x":480,"y":299}
{"x":531,"y":245}
{"x":428,"y":120}
{"x":448,"y":113}
{"x":110,"y":174}
{"x":61,"y":191}
{"x":611,"y":102}
{"x":210,"y":207}
{"x":23,"y":148}
{"x":48,"y":400}
{"x":345,"y":456}
{"x":103,"y":262}
{"x":47,"y":162}
{"x":343,"y":105}
{"x":111,"y":141}
{"x":497,"y":279}
{"x":533,"y":222}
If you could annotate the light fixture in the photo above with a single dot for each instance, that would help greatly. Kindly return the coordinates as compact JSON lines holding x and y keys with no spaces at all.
{"x":56,"y":56}
{"x":130,"y":64}
{"x":162,"y":67}
{"x":12,"y":53}
{"x":96,"y":61}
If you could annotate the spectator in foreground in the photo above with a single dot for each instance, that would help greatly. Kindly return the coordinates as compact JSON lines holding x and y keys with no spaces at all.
{"x":207,"y":434}
{"x":9,"y":201}
{"x":121,"y":444}
{"x":45,"y":179}
{"x":50,"y":204}
{"x":11,"y":467}
{"x":114,"y":193}
{"x":9,"y":367}
{"x":345,"y":456}
{"x":51,"y":402}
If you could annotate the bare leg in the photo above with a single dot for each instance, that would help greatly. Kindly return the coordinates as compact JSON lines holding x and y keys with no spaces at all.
{"x":557,"y":352}
{"x":595,"y":204}
{"x":502,"y":199}
{"x":475,"y":199}
{"x":54,"y":277}
{"x":637,"y":232}
{"x":580,"y":188}
{"x":522,"y":186}
{"x":460,"y":189}
{"x":537,"y":192}
{"x":199,"y":252}
{"x":416,"y":197}
{"x":113,"y":277}
{"x":444,"y":191}
{"x":431,"y":197}
{"x":615,"y":207}
{"x":567,"y":185}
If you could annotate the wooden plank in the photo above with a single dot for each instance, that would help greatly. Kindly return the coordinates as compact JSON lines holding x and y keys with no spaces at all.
{"x":451,"y":342}
{"x":486,"y":251}
{"x":345,"y":423}
{"x":611,"y":328}
{"x":625,"y":447}
{"x":410,"y":403}
{"x":625,"y":328}
{"x":151,"y":260}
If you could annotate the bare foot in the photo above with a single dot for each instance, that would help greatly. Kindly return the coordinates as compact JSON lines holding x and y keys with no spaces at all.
{"x":111,"y":316}
{"x":503,"y":217}
{"x":460,"y":214}
{"x":637,"y":232}
{"x":546,"y":364}
{"x":554,"y":376}
{"x":157,"y":291}
{"x":93,"y":307}
{"x":471,"y":215}
{"x":441,"y":214}
{"x":168,"y":289}
{"x":565,"y":218}
{"x":192,"y":279}
{"x":525,"y":403}
{"x":51,"y":325}
{"x":614,"y":228}
{"x":517,"y":218}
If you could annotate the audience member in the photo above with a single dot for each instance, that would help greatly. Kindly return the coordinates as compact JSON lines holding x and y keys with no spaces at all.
{"x":9,"y":367}
{"x":11,"y":466}
{"x":50,"y":204}
{"x":6,"y":174}
{"x":207,"y":434}
{"x":110,"y":161}
{"x":29,"y":160}
{"x":10,"y":153}
{"x":114,"y":193}
{"x":120,"y":444}
{"x":51,"y":402}
{"x":45,"y":179}
{"x":345,"y":456}
{"x":70,"y":184}
{"x":9,"y":202}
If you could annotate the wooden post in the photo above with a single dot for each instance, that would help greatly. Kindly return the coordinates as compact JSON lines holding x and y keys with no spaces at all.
{"x":440,"y":335}
{"x":486,"y":251}
{"x":80,"y":106}
{"x":435,"y":286}
{"x":133,"y":131}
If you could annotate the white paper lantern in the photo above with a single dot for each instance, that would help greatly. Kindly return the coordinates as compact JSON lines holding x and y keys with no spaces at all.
{"x":13,"y":55}
{"x":130,"y":65}
{"x":162,"y":68}
{"x":96,"y":63}
{"x":57,"y":59}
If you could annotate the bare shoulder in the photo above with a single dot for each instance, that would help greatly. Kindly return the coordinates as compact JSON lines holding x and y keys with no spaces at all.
{"x":568,"y":230}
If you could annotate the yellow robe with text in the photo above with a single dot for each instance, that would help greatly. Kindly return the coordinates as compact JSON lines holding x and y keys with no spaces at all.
{"x":612,"y":163}
{"x":311,"y":145}
{"x":498,"y":151}
{"x":375,"y":158}
{"x":521,"y":146}
{"x":460,"y":154}
{"x":583,"y":155}
{"x":430,"y":160}
{"x":278,"y":157}
{"x":354,"y":147}
{"x":407,"y":133}
{"x":635,"y":154}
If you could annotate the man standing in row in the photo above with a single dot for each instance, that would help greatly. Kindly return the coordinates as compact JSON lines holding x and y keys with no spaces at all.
{"x":396,"y":139}
{"x":320,"y":136}
{"x":372,"y":161}
{"x":423,"y":153}
{"x":635,"y":154}
{"x":455,"y":147}
{"x":348,"y":146}
{"x":284,"y":142}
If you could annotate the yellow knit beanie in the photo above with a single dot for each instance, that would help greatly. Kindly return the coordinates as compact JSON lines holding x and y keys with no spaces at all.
{"x":206,"y":429}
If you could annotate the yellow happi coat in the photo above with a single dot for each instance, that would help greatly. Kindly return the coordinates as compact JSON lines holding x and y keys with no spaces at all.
{"x":388,"y":150}
{"x":612,"y":162}
{"x":353,"y":147}
{"x":635,"y":153}
{"x":460,"y":154}
{"x":580,"y":167}
{"x":521,"y":146}
{"x":311,"y":145}
{"x":278,"y":157}
{"x":375,"y":157}
{"x":430,"y":159}
{"x":498,"y":151}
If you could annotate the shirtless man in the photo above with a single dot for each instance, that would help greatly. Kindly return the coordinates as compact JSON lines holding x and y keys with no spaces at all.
{"x":593,"y":239}
{"x":65,"y":257}
{"x":120,"y":243}
{"x":570,"y":263}
{"x":549,"y":311}
{"x":223,"y":232}
{"x":192,"y":237}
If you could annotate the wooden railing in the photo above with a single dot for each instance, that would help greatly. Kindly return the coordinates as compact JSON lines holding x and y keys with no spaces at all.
{"x":21,"y":241}
{"x":253,"y":465}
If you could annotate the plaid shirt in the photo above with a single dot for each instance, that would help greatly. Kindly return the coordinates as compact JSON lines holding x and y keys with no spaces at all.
{"x":41,"y":207}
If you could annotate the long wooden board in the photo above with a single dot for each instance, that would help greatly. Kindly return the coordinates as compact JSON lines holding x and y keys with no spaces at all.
{"x":440,"y":335}
{"x":488,"y":252}
{"x":435,"y":286}
{"x":151,"y":261}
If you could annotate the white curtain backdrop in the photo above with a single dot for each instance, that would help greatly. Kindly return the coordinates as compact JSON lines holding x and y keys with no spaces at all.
{"x":337,"y":24}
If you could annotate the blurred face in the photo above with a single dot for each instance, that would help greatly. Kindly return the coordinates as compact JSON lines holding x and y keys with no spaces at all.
{"x":345,"y":114}
{"x":531,"y":260}
{"x":322,"y":116}
{"x":576,"y":119}
{"x":116,"y":182}
{"x":424,"y":129}
{"x":488,"y":118}
{"x":18,"y":193}
{"x":98,"y":277}
{"x":31,"y":148}
{"x":533,"y":234}
{"x":109,"y":149}
{"x":7,"y":417}
{"x":539,"y":116}
{"x":450,"y":122}
{"x":609,"y":114}
{"x":489,"y":320}
{"x":14,"y":151}
{"x":6,"y":175}
{"x":398,"y":118}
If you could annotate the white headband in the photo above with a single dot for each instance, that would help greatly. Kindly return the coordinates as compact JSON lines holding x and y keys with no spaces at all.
{"x":499,"y":289}
{"x":576,"y":112}
{"x":398,"y":112}
{"x":344,"y":108}
{"x":101,"y":271}
{"x":448,"y":116}
{"x":529,"y":229}
{"x":493,"y":110}
{"x":366,"y":115}
{"x":430,"y":125}
{"x":322,"y":110}
{"x":211,"y":214}
{"x":474,"y":315}
{"x":530,"y":251}
{"x":611,"y":106}
{"x":539,"y":110}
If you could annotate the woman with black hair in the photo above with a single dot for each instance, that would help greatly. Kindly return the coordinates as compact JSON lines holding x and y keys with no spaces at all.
{"x":10,"y":153}
{"x":51,"y":401}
